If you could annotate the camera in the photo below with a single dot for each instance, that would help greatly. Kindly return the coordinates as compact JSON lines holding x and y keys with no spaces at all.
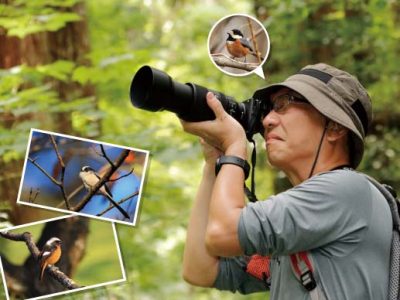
{"x":154,"y":90}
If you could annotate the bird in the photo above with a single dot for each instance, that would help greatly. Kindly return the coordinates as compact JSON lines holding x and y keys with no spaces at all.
{"x":50,"y":254}
{"x":237,"y":45}
{"x":90,"y":178}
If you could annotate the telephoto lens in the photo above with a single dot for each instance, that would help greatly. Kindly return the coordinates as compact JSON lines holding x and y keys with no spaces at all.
{"x":155,"y":90}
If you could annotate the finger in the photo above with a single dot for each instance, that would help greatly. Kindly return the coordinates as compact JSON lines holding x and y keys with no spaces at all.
{"x":216,"y":106}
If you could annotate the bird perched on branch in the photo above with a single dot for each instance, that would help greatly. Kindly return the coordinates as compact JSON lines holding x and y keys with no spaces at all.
{"x":90,"y":178}
{"x":237,"y":45}
{"x":50,"y":254}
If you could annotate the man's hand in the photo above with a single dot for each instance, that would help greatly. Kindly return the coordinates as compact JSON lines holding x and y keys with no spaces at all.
{"x":210,"y":153}
{"x":224,"y":133}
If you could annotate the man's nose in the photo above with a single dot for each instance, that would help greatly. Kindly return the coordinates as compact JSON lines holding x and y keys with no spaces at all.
{"x":270,"y":120}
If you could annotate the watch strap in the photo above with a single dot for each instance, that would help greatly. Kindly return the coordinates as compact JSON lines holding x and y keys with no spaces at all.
{"x":232,"y":160}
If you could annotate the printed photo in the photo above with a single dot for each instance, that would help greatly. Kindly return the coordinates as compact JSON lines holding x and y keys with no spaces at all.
{"x":75,"y":175}
{"x":2,"y":283}
{"x":59,"y":256}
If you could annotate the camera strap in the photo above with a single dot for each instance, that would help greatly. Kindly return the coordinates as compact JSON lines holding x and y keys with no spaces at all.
{"x":251,"y":194}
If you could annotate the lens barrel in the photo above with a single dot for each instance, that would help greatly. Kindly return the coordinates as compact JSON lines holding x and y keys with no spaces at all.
{"x":154,"y":90}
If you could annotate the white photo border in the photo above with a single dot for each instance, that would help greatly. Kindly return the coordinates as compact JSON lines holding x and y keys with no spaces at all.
{"x":123,"y":279}
{"x":139,"y":196}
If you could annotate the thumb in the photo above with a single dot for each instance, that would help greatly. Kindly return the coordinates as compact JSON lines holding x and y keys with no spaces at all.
{"x":216,"y":106}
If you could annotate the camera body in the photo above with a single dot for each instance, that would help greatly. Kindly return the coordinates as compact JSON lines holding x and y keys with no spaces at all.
{"x":154,"y":90}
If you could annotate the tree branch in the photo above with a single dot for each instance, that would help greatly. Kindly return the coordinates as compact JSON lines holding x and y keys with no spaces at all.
{"x":61,"y":162}
{"x":223,"y":60}
{"x":119,"y":202}
{"x":60,"y":183}
{"x":115,"y":165}
{"x":53,"y":271}
{"x":105,"y":155}
{"x":71,"y":195}
{"x":254,"y":41}
{"x":32,"y":196}
{"x":33,"y":161}
{"x":125,"y":175}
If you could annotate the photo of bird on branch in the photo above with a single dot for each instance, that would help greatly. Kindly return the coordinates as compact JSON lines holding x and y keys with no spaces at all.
{"x":238,"y":44}
{"x":59,"y":256}
{"x":90,"y":178}
{"x":59,"y":174}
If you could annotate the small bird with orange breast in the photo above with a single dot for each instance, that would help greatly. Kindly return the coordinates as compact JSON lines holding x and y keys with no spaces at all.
{"x":237,"y":45}
{"x":50,"y":254}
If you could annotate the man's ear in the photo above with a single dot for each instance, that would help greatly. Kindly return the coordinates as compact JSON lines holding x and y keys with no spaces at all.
{"x":335,"y":131}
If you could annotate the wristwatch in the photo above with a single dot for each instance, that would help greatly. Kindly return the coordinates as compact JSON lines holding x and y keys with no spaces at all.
{"x":233,"y":160}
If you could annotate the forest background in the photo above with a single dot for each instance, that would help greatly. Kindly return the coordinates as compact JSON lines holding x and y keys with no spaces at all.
{"x":66,"y":66}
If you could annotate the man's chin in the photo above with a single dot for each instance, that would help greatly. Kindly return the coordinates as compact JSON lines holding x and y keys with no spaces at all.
{"x":275,"y":161}
{"x":271,"y":162}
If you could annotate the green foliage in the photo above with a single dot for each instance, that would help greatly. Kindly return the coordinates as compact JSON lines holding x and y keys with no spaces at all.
{"x":29,"y":99}
{"x":22,"y":17}
{"x":383,"y":160}
{"x":101,"y":261}
{"x":361,"y":37}
{"x":2,"y":291}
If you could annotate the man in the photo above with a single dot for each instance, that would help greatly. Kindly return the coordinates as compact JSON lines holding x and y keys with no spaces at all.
{"x":314,"y":133}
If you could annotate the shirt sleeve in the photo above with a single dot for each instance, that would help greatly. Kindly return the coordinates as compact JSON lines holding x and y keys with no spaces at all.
{"x":232,"y":276}
{"x":334,"y":206}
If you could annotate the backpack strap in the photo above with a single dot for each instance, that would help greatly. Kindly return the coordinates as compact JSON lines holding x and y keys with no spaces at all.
{"x":390,"y":196}
{"x":303,"y":268}
{"x":394,"y":272}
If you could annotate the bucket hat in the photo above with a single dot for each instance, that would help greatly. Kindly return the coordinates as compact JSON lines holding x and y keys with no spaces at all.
{"x":337,"y":95}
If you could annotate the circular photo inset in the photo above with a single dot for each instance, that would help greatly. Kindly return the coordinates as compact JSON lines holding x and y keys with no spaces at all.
{"x":238,"y":44}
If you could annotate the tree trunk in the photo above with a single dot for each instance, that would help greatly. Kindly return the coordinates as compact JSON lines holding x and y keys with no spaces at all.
{"x":69,"y":43}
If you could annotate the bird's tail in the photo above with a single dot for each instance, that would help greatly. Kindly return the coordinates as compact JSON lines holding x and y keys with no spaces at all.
{"x":42,"y":268}
{"x":117,"y":206}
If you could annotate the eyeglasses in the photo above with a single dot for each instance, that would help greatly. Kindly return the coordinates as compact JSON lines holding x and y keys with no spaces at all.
{"x":280,"y":103}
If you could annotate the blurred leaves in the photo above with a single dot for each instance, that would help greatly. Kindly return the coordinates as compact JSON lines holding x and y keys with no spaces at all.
{"x":22,"y":17}
{"x":28,"y":96}
{"x":382,"y":152}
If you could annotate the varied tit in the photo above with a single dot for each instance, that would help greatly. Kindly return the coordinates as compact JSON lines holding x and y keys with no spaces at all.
{"x":50,"y":254}
{"x":90,"y":178}
{"x":237,"y":45}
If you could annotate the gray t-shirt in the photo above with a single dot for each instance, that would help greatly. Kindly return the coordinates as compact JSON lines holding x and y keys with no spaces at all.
{"x":339,"y":217}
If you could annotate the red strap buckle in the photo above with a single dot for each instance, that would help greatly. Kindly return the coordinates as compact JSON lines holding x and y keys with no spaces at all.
{"x":303,"y":269}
